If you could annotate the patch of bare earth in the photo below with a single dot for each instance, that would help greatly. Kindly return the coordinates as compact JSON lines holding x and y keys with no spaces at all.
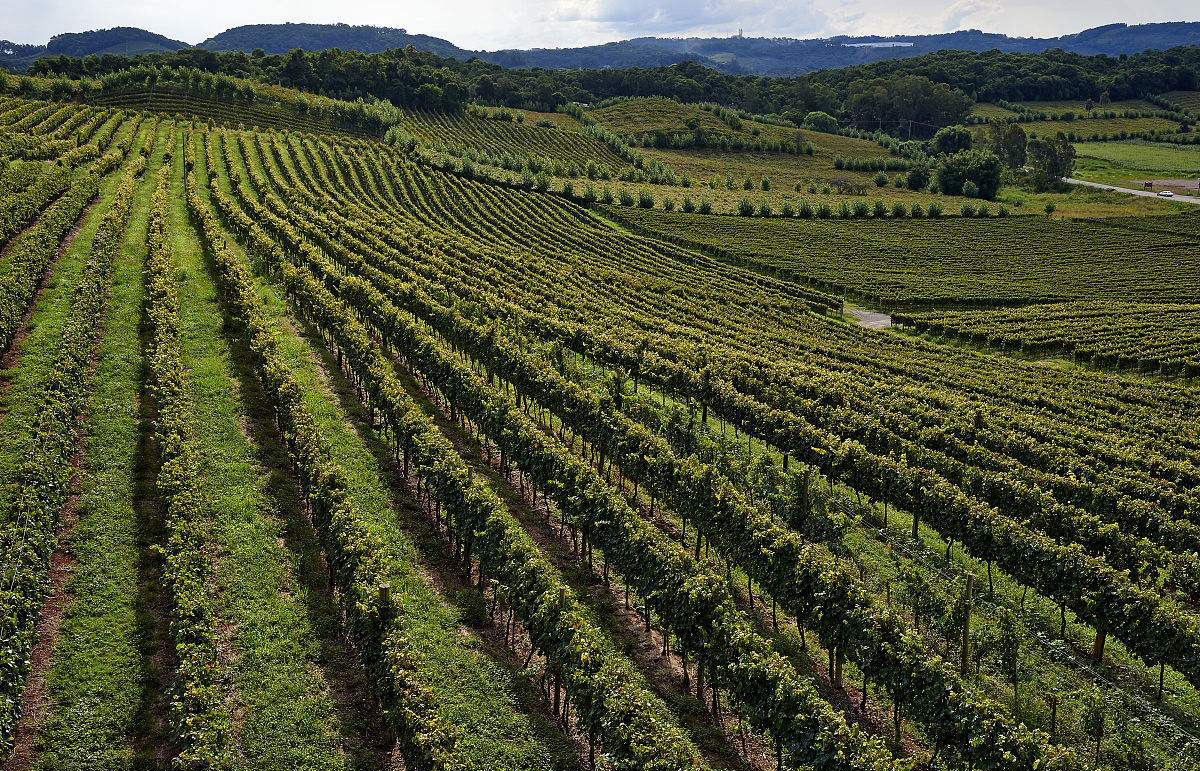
{"x":35,"y":698}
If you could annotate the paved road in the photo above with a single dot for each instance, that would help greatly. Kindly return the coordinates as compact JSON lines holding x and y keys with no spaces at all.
{"x":1145,"y":193}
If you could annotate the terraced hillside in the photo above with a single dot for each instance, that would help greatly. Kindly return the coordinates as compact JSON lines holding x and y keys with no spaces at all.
{"x":313,"y":455}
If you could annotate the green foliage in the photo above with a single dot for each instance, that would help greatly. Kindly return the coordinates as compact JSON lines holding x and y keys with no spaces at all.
{"x":980,"y":167}
{"x":1049,"y":162}
{"x":820,"y":121}
{"x":951,"y":140}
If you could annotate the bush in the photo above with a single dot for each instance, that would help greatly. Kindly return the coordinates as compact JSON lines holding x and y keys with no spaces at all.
{"x":1050,"y":208}
{"x":645,"y":199}
{"x":844,"y":211}
{"x":878,"y":210}
{"x":967,"y":210}
{"x":589,"y":194}
{"x":626,"y":198}
{"x":765,"y":184}
{"x":935,"y":209}
{"x":898,"y":182}
{"x":607,"y":195}
{"x":951,"y":139}
{"x":860,"y":209}
{"x":898,"y":210}
{"x":918,"y":178}
{"x":569,"y":189}
{"x":982,"y":168}
{"x":820,"y":121}
{"x":764,"y":209}
{"x":745,"y":208}
{"x":1002,"y":211}
{"x":705,"y":207}
{"x":688,"y":205}
{"x":787,"y":210}
{"x":983,"y":211}
{"x":806,"y":210}
{"x":812,"y":189}
{"x":748,"y":184}
{"x":823,"y":211}
{"x":881,"y":179}
{"x":668,"y":204}
{"x":917,"y":211}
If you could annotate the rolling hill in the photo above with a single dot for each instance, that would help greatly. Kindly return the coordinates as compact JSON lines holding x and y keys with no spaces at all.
{"x":738,"y":54}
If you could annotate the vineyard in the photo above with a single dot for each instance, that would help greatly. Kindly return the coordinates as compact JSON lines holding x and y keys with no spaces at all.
{"x":1185,"y":100}
{"x":958,"y":262}
{"x":318,"y":452}
{"x":1151,"y":337}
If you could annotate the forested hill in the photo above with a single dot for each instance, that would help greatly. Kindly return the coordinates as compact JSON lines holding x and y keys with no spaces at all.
{"x":281,"y":38}
{"x":118,"y":40}
{"x":737,"y":55}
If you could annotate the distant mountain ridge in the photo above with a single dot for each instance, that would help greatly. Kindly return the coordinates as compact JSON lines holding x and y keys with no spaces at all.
{"x":281,"y":38}
{"x":118,"y":40}
{"x":756,"y":55}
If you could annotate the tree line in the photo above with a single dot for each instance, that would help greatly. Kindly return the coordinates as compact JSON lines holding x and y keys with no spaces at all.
{"x":909,"y":98}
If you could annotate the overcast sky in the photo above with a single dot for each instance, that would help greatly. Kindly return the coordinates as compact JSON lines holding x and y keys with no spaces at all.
{"x":492,"y":24}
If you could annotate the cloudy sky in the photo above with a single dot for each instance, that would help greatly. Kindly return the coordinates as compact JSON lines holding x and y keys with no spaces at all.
{"x":494,"y":24}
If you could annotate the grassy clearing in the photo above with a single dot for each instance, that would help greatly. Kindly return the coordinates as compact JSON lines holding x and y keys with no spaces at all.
{"x":1177,"y":159}
{"x":489,"y":697}
{"x":991,"y":111}
{"x":1128,"y":164}
{"x":97,"y":673}
{"x":649,"y":115}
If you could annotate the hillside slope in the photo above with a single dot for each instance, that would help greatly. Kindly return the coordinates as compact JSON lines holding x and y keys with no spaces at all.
{"x":118,"y":40}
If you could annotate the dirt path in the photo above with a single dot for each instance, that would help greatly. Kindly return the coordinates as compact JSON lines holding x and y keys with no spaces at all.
{"x":34,"y":699}
{"x":871,"y":319}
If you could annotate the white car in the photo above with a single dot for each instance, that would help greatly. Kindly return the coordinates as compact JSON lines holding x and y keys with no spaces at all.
{"x":1165,"y":194}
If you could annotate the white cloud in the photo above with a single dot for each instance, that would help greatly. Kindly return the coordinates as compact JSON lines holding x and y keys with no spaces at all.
{"x":967,"y":14}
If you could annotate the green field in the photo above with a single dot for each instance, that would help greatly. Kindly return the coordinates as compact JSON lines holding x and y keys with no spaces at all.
{"x":1130,"y":164}
{"x":324,"y":448}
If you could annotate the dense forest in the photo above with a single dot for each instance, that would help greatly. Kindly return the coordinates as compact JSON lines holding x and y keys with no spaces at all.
{"x":914,"y":96}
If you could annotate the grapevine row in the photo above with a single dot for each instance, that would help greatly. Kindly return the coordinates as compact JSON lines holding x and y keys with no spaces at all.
{"x":844,"y":616}
{"x":28,"y":537}
{"x":620,"y":715}
{"x":199,"y":716}
{"x":694,"y":604}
